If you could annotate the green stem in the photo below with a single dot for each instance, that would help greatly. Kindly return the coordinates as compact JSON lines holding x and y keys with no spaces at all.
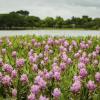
{"x":18,"y":86}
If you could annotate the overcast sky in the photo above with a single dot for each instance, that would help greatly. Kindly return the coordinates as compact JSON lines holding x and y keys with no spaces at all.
{"x":53,"y":8}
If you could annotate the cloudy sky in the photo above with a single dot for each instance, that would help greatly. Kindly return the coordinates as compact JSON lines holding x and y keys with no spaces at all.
{"x":53,"y":8}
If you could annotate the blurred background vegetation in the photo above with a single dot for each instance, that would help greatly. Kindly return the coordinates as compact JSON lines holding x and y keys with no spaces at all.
{"x":22,"y":20}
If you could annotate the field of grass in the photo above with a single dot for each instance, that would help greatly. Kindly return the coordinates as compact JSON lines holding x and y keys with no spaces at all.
{"x":49,"y":68}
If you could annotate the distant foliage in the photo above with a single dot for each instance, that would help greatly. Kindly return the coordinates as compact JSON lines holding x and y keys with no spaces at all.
{"x":21,"y":19}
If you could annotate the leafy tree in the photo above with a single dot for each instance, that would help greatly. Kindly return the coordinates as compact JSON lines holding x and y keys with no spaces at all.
{"x":49,"y":22}
{"x":32,"y":21}
{"x":22,"y":12}
{"x":21,"y":18}
{"x":59,"y":21}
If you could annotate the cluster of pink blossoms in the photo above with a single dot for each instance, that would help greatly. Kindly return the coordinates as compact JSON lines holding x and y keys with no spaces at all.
{"x":42,"y":66}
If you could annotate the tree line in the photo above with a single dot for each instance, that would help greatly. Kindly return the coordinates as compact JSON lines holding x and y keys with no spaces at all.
{"x":22,"y":20}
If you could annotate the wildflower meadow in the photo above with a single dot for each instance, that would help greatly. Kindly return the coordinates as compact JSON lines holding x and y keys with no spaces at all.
{"x":49,"y":68}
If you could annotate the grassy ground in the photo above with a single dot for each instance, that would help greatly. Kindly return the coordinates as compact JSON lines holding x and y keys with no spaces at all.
{"x":48,"y":29}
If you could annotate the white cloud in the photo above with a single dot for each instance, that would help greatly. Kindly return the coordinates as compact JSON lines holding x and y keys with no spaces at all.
{"x":53,"y":8}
